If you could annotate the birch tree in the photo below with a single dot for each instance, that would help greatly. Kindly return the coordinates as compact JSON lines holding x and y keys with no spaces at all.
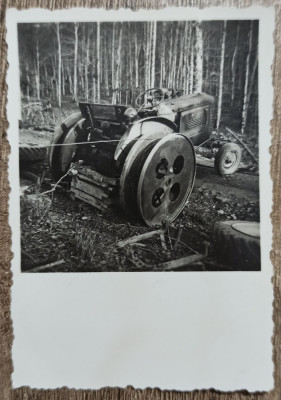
{"x":118,"y":70}
{"x":246,"y":91}
{"x":199,"y":58}
{"x":76,"y":26}
{"x":98,"y":62}
{"x":112,"y":64}
{"x":153,"y":54}
{"x":59,"y":65}
{"x":37,"y":70}
{"x":147,"y":55}
{"x":220,"y":92}
{"x":191,"y":74}
{"x":86,"y":71}
{"x":136,"y":58}
{"x":233,"y":65}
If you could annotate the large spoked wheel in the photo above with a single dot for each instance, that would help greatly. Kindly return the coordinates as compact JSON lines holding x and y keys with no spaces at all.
{"x":149,"y":98}
{"x":228,"y":158}
{"x":166,"y":180}
{"x":63,"y":145}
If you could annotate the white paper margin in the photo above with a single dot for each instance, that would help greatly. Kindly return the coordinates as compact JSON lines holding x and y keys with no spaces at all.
{"x":183,"y":330}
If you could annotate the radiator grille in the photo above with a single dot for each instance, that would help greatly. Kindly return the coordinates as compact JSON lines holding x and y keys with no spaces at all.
{"x":198,"y":118}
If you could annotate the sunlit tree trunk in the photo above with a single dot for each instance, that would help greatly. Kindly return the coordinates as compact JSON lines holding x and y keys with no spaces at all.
{"x":87,"y":61}
{"x":175,"y":58}
{"x":136,"y":58}
{"x":118,"y":71}
{"x":147,"y":56}
{"x":186,"y":80}
{"x":27,"y":82}
{"x":199,"y":59}
{"x":113,"y":83}
{"x":98,"y":61}
{"x":37,"y":71}
{"x":233,"y":65}
{"x":170,"y":83}
{"x":76,"y":25}
{"x":130,"y":57}
{"x":162,"y":56}
{"x":153,"y":54}
{"x":180,"y":66}
{"x":246,"y":89}
{"x":62,"y":78}
{"x":59,"y":65}
{"x":221,"y":76}
{"x":191,"y":68}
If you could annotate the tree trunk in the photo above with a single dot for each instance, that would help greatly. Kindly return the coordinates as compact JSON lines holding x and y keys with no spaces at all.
{"x":186,"y":78}
{"x":63,"y":78}
{"x":162,"y":56}
{"x":130,"y":58}
{"x":136,"y":58}
{"x":37,"y":71}
{"x":246,"y":89}
{"x":147,"y":55}
{"x":233,"y":65}
{"x":27,"y":82}
{"x":153,"y":54}
{"x":113,"y":83}
{"x":170,"y":61}
{"x":98,"y":61}
{"x":175,"y":56}
{"x":180,"y":66}
{"x":76,"y":25}
{"x":59,"y":66}
{"x":87,"y":61}
{"x":118,"y":71}
{"x":221,"y":76}
{"x":199,"y":59}
{"x":191,"y":69}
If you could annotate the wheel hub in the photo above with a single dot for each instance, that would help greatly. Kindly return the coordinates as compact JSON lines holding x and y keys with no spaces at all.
{"x":230,"y":159}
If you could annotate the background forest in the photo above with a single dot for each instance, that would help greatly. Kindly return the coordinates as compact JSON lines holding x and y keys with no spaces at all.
{"x":112,"y":62}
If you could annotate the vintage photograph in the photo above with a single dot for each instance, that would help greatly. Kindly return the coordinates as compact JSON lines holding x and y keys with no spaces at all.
{"x":139,"y":146}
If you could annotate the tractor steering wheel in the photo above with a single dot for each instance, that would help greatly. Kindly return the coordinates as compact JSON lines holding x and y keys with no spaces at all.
{"x":149,"y":97}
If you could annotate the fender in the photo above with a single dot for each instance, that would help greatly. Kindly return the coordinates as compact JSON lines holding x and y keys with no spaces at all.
{"x":140,"y":128}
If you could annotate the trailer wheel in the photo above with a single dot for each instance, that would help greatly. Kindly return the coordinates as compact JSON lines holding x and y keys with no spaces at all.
{"x":228,"y":158}
{"x":237,"y":243}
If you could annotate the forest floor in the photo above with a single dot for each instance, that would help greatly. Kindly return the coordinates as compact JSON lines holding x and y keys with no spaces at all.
{"x":80,"y":238}
{"x":73,"y":236}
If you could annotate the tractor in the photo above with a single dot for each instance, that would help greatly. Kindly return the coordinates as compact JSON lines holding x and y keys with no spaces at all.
{"x":148,"y":149}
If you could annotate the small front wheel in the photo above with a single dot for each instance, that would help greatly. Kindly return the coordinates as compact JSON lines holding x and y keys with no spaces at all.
{"x":228,"y":158}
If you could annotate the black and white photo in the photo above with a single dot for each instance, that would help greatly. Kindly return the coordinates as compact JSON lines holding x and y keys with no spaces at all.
{"x":139,"y":146}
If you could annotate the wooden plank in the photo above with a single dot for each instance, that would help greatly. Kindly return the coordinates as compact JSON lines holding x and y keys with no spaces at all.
{"x":89,"y":199}
{"x":96,"y":175}
{"x":105,"y":186}
{"x":138,"y":238}
{"x":89,"y":189}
